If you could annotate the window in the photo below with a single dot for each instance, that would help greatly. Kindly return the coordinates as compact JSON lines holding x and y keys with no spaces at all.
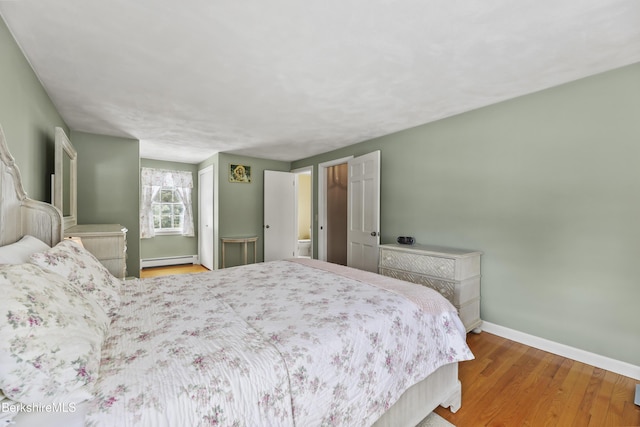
{"x":168,"y":211}
{"x":165,"y":203}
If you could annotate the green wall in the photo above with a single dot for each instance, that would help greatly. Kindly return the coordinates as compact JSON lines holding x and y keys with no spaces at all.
{"x":174,"y":245}
{"x":548,"y":186}
{"x":28,"y":118}
{"x":240,"y":206}
{"x":107,"y":166}
{"x":108,"y":186}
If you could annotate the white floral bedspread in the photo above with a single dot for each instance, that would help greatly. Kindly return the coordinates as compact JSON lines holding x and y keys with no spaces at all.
{"x":269,"y":344}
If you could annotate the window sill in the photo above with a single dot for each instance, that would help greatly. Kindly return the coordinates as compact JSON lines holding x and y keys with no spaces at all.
{"x":168,"y":232}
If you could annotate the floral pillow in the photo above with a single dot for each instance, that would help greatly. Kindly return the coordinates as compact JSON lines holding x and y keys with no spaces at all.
{"x":82,"y":269}
{"x":50,"y":337}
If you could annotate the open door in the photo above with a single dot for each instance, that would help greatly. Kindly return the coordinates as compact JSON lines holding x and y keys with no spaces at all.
{"x":363,"y":212}
{"x":206,"y":240}
{"x":280,"y":234}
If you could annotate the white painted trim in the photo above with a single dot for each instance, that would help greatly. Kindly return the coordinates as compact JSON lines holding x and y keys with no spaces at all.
{"x":305,"y":169}
{"x":603,"y":362}
{"x":176,"y":260}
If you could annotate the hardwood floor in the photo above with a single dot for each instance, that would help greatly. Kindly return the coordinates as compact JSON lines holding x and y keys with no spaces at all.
{"x":172,"y":269}
{"x":513,"y":385}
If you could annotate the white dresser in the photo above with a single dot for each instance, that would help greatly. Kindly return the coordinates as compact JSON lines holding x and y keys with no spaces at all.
{"x":455,"y":273}
{"x":107,"y":242}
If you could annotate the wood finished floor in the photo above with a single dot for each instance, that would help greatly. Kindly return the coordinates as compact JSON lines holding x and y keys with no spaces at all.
{"x":513,"y":385}
{"x":172,"y":269}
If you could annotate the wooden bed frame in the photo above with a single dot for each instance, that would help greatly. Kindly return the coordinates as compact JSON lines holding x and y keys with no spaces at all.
{"x":20,"y":216}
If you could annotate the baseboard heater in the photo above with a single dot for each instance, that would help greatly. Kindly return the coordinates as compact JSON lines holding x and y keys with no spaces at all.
{"x":173,"y":260}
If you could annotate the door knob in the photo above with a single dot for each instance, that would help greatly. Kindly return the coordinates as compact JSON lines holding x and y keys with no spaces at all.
{"x":266,"y":226}
{"x":374,"y":233}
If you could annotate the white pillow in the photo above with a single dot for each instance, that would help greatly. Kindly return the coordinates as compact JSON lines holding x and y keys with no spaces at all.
{"x":81,"y":268}
{"x":20,"y":251}
{"x":50,"y":337}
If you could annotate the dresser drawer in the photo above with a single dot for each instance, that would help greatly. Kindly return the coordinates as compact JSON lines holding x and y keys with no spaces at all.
{"x":107,"y":242}
{"x":456,"y":265}
{"x":105,"y":247}
{"x":455,"y":273}
{"x":458,"y":293}
{"x":432,"y":266}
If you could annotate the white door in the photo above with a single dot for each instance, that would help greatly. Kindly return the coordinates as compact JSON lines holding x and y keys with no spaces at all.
{"x":363,"y":212}
{"x":280,"y":235}
{"x":205,"y":217}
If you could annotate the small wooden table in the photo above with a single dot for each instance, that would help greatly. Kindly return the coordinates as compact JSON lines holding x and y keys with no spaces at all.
{"x":244,"y":240}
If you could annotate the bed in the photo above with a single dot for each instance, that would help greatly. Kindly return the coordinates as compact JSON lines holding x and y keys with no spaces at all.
{"x":283,"y":343}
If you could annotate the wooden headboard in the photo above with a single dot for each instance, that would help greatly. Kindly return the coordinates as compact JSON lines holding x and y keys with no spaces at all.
{"x":20,"y":215}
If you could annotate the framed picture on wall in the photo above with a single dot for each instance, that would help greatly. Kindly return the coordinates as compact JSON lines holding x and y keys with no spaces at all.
{"x":239,"y":173}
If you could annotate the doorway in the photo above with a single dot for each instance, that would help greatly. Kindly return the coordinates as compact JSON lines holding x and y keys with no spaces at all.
{"x":288,"y":219}
{"x":336,"y":185}
{"x":304,"y":211}
{"x":324,"y":238}
{"x":362,"y":218}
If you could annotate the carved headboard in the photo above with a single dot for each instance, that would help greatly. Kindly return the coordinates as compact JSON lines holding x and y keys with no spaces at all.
{"x":20,"y":215}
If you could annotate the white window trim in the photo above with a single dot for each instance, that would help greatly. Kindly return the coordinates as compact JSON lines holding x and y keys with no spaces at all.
{"x":152,"y":180}
{"x":168,"y":231}
{"x":172,"y":230}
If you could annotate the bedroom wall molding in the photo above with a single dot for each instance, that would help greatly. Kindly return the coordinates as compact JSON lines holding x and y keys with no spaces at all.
{"x":603,"y":362}
{"x":164,"y":261}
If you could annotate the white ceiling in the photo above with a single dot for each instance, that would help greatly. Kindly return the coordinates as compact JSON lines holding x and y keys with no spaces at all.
{"x":287,"y":79}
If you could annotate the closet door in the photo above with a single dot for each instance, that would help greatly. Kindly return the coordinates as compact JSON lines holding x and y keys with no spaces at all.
{"x":363,"y":212}
{"x":280,"y":235}
{"x":206,"y":239}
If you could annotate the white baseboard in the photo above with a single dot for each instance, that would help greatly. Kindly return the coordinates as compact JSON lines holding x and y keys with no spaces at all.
{"x":175,"y":260}
{"x":603,"y":362}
